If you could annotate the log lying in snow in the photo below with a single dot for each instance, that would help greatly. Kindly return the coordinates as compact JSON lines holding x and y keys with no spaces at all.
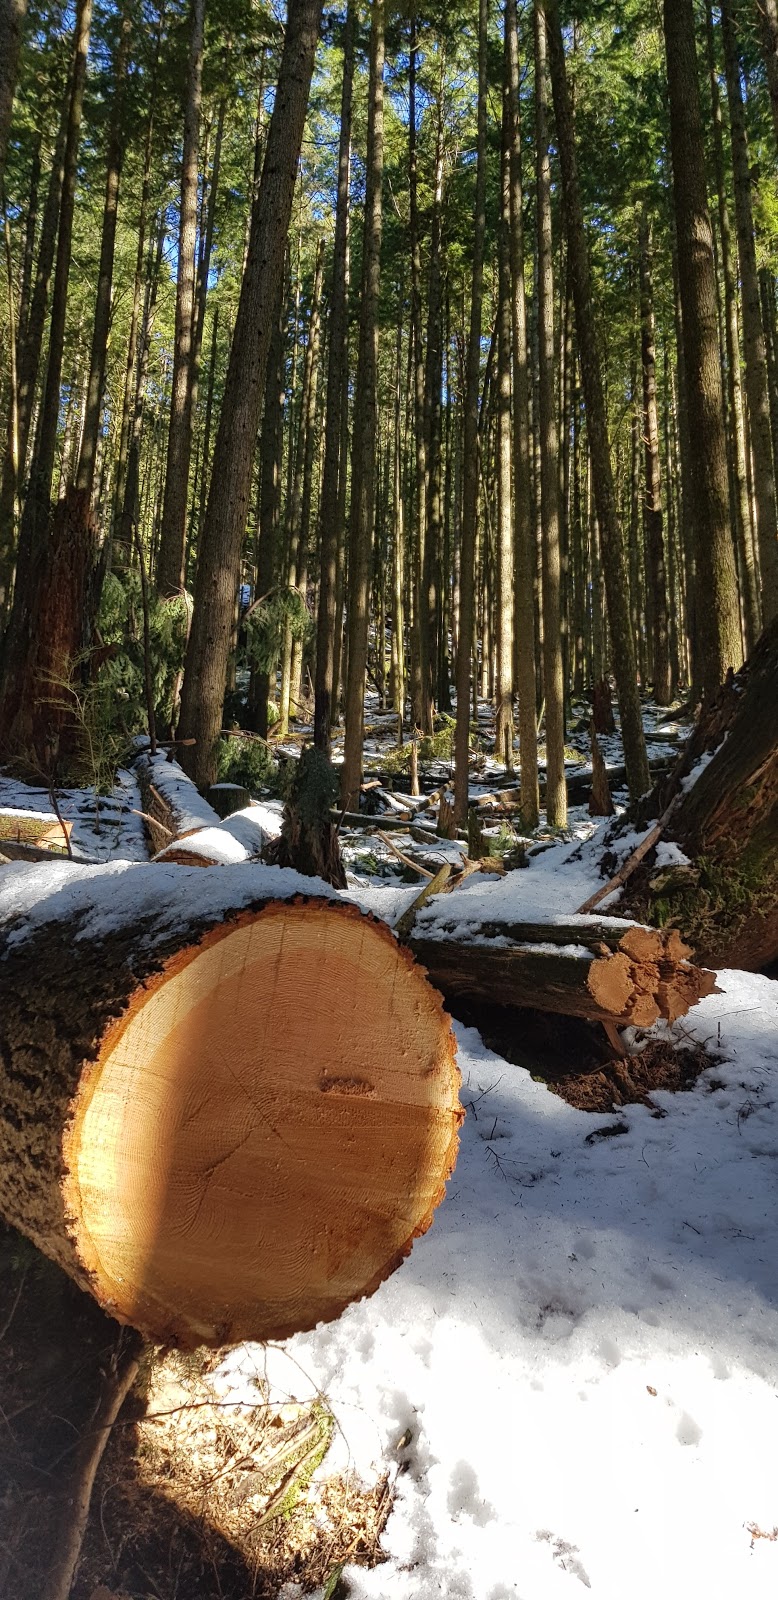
{"x":226,"y":1110}
{"x":172,"y":804}
{"x":605,"y":971}
{"x":240,"y":838}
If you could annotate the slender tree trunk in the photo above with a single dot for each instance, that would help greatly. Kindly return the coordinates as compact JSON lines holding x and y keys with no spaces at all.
{"x":767,"y":12}
{"x":35,"y":519}
{"x":270,"y":452}
{"x":299,"y":511}
{"x":505,"y":563}
{"x":613,"y":553}
{"x":170,"y":567}
{"x":656,"y":573}
{"x":421,"y":711}
{"x":524,"y":619}
{"x":465,"y":639}
{"x":553,"y":668}
{"x":12,"y":15}
{"x":337,"y":399}
{"x":753,"y":332}
{"x":365,"y":428}
{"x":717,"y":622}
{"x":740,"y":506}
{"x":116,"y":140}
{"x":218,"y":569}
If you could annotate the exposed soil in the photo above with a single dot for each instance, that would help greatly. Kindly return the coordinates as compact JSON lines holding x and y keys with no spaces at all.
{"x":603,"y":1077}
{"x":194,"y":1500}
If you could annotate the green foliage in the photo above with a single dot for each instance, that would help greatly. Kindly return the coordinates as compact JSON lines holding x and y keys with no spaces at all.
{"x":246,"y":761}
{"x":122,"y":678}
{"x":267,"y":622}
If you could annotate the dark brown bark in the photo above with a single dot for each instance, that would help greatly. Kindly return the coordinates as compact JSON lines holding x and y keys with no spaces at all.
{"x":41,"y":728}
{"x":365,"y":424}
{"x":613,"y":554}
{"x":505,"y":560}
{"x":170,"y":566}
{"x":753,"y":332}
{"x":553,"y":664}
{"x":116,"y":145}
{"x":337,"y":401}
{"x":767,"y":12}
{"x":717,"y":621}
{"x":218,"y":570}
{"x":727,"y":824}
{"x":741,"y":509}
{"x":656,"y":574}
{"x":524,"y":627}
{"x":268,"y":520}
{"x":466,"y":619}
{"x":12,"y":15}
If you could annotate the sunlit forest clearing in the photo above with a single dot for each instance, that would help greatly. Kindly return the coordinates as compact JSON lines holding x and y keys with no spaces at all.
{"x":388,"y":799}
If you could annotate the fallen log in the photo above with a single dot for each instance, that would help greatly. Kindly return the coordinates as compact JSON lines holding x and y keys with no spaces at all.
{"x":173,"y":806}
{"x":226,"y":1110}
{"x":600,"y":970}
{"x":241,"y":837}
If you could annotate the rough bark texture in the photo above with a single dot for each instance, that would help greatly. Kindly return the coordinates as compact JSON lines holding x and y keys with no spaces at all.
{"x":40,"y":730}
{"x":170,"y":569}
{"x":364,"y":450}
{"x":337,"y":402}
{"x":656,"y":573}
{"x":727,"y":824}
{"x":209,"y":1185}
{"x":587,"y":968}
{"x":613,"y":554}
{"x":228,"y":499}
{"x":12,"y":15}
{"x":716,"y":620}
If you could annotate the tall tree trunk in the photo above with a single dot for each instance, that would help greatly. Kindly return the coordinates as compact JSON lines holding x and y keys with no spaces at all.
{"x":270,"y":451}
{"x":717,"y":622}
{"x":12,"y":15}
{"x":170,"y":567}
{"x":300,"y":507}
{"x":35,"y":520}
{"x":218,"y":570}
{"x":94,"y":400}
{"x":505,"y":563}
{"x":470,"y":451}
{"x":553,"y":666}
{"x":656,"y":572}
{"x":337,"y":399}
{"x":421,"y":711}
{"x":740,"y":504}
{"x":753,"y":332}
{"x":613,"y":554}
{"x":524,"y":623}
{"x":365,"y":429}
{"x":767,"y":12}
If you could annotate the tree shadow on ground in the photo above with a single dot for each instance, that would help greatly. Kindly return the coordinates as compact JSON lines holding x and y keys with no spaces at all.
{"x":140,"y":1544}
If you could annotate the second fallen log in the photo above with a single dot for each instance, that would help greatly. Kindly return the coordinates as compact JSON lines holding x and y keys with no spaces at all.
{"x":600,"y":969}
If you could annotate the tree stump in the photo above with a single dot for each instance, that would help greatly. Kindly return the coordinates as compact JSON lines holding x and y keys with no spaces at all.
{"x":225,"y":1110}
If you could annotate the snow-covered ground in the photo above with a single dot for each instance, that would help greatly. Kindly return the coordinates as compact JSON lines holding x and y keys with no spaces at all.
{"x":104,"y":828}
{"x":577,"y":1368}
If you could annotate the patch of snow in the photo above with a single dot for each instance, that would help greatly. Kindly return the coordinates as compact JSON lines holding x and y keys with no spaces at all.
{"x":575,"y":1370}
{"x":669,"y":854}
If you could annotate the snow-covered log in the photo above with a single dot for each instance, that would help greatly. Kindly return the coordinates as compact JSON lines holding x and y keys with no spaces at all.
{"x":241,"y":837}
{"x":228,"y":1100}
{"x":598,"y":969}
{"x":172,"y":804}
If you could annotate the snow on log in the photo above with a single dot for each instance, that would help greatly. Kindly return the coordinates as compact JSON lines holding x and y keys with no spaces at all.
{"x":228,"y":1100}
{"x":604,"y":970}
{"x":173,"y":805}
{"x":240,"y":837}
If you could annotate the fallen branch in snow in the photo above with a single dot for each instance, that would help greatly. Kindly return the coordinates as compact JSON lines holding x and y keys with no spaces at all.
{"x":628,"y":867}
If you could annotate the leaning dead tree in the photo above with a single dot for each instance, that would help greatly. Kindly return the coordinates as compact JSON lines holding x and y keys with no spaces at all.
{"x":225,"y":1110}
{"x":724,"y":818}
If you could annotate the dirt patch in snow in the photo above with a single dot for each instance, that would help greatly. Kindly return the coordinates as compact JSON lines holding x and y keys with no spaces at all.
{"x":579,"y":1063}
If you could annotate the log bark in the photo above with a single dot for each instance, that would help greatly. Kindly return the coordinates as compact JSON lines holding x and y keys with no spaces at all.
{"x":587,"y":968}
{"x":225,"y":1110}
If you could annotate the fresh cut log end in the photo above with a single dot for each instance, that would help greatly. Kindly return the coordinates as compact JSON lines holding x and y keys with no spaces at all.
{"x":261,"y":1134}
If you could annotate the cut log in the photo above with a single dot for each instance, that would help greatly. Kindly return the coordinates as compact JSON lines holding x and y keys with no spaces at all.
{"x":173,"y":806}
{"x":587,"y":968}
{"x":242,"y":837}
{"x":600,"y":800}
{"x":225,"y":1109}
